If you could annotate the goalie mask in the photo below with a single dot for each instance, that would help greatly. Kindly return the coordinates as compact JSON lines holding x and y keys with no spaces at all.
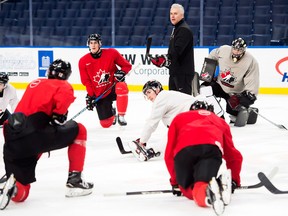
{"x":238,"y":49}
{"x":59,"y":69}
{"x":202,"y":105}
{"x":152,"y":84}
{"x":4,"y":78}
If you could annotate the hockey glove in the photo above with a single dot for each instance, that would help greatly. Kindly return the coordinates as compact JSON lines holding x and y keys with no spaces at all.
{"x":120,"y":76}
{"x":90,"y":102}
{"x":161,"y":61}
{"x":58,"y":119}
{"x":176,"y":190}
{"x":247,"y":99}
{"x":234,"y":186}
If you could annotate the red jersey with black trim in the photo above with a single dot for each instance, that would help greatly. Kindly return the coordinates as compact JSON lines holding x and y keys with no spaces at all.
{"x":202,"y":127}
{"x":46,"y":95}
{"x":97,"y":74}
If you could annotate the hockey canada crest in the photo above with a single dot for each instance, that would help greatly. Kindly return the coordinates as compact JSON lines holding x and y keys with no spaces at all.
{"x":102,"y":77}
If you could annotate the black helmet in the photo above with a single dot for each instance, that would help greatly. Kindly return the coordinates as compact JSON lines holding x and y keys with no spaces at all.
{"x":96,"y":37}
{"x":4,"y":78}
{"x":240,"y":45}
{"x":202,"y":105}
{"x":152,"y":84}
{"x":59,"y":69}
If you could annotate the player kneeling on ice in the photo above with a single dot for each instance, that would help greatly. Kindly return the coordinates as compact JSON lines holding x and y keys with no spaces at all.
{"x":39,"y":125}
{"x":237,"y":81}
{"x":99,"y":72}
{"x":198,"y":142}
{"x":166,"y":105}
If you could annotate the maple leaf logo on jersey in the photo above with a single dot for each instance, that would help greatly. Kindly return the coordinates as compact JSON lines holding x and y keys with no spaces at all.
{"x":102,"y":77}
{"x":227,"y":76}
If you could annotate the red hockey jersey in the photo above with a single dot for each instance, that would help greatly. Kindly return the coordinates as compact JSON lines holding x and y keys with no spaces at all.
{"x":97,"y":74}
{"x":46,"y":95}
{"x":201,"y":127}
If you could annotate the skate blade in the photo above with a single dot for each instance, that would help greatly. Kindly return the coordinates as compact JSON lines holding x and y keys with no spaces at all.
{"x":217,"y":204}
{"x":5,"y":197}
{"x":77,"y":192}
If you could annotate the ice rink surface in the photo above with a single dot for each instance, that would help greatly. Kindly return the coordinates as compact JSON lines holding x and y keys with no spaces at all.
{"x":263,"y":146}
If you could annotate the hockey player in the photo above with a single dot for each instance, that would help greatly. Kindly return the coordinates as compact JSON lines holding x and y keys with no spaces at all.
{"x":39,"y":125}
{"x":166,"y":105}
{"x":99,"y":71}
{"x":237,"y":81}
{"x":8,"y":96}
{"x":197,"y":142}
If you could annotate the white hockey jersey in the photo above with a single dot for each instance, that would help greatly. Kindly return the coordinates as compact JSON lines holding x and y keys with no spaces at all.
{"x":167,"y":105}
{"x":9,"y":98}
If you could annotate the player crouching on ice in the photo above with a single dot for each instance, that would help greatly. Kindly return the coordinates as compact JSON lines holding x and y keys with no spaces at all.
{"x":197,"y":142}
{"x":237,"y":81}
{"x":166,"y":105}
{"x":39,"y":125}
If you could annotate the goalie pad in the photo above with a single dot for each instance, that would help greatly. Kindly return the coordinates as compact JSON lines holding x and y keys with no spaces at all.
{"x":141,"y":153}
{"x":242,"y":117}
{"x":253,"y":114}
{"x":195,"y":85}
{"x":208,"y":70}
{"x":207,"y":94}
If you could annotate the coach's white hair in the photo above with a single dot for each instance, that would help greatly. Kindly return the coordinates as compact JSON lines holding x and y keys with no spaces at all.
{"x":178,"y":6}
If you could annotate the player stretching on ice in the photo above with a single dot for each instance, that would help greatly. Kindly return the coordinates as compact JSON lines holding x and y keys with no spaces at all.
{"x":237,"y":81}
{"x":166,"y":105}
{"x":99,"y":71}
{"x":39,"y":125}
{"x":197,"y":141}
{"x":8,"y":96}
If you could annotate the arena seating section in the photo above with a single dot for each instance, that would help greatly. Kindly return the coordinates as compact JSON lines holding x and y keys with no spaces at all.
{"x":69,"y":22}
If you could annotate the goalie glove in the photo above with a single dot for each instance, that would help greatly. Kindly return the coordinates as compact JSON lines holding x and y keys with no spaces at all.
{"x":161,"y":61}
{"x":247,"y":98}
{"x":120,"y":75}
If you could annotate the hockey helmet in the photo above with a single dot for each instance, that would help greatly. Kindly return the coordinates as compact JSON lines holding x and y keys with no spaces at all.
{"x":96,"y":37}
{"x":202,"y":105}
{"x":4,"y":78}
{"x":59,"y":69}
{"x":152,"y":84}
{"x":240,"y":45}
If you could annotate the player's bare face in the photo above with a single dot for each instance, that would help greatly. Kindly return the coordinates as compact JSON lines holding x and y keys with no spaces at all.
{"x":150,"y":95}
{"x":94,"y":46}
{"x":175,"y":16}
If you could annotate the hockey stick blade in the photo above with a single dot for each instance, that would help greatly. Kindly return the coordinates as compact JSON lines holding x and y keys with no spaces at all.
{"x":268,"y":184}
{"x":121,"y":147}
{"x":260,"y":184}
{"x":139,"y":193}
{"x":277,"y":125}
{"x":148,"y":45}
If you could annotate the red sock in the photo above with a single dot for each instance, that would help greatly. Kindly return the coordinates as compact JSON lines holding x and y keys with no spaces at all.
{"x":22,"y":192}
{"x":77,"y":150}
{"x":199,"y":193}
{"x":122,"y":97}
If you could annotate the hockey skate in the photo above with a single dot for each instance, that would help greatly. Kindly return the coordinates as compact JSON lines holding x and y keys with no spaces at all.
{"x":121,"y":120}
{"x":214,"y":197}
{"x":76,"y":186}
{"x":225,"y":184}
{"x":7,"y":192}
{"x":115,"y":116}
{"x":141,"y":153}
